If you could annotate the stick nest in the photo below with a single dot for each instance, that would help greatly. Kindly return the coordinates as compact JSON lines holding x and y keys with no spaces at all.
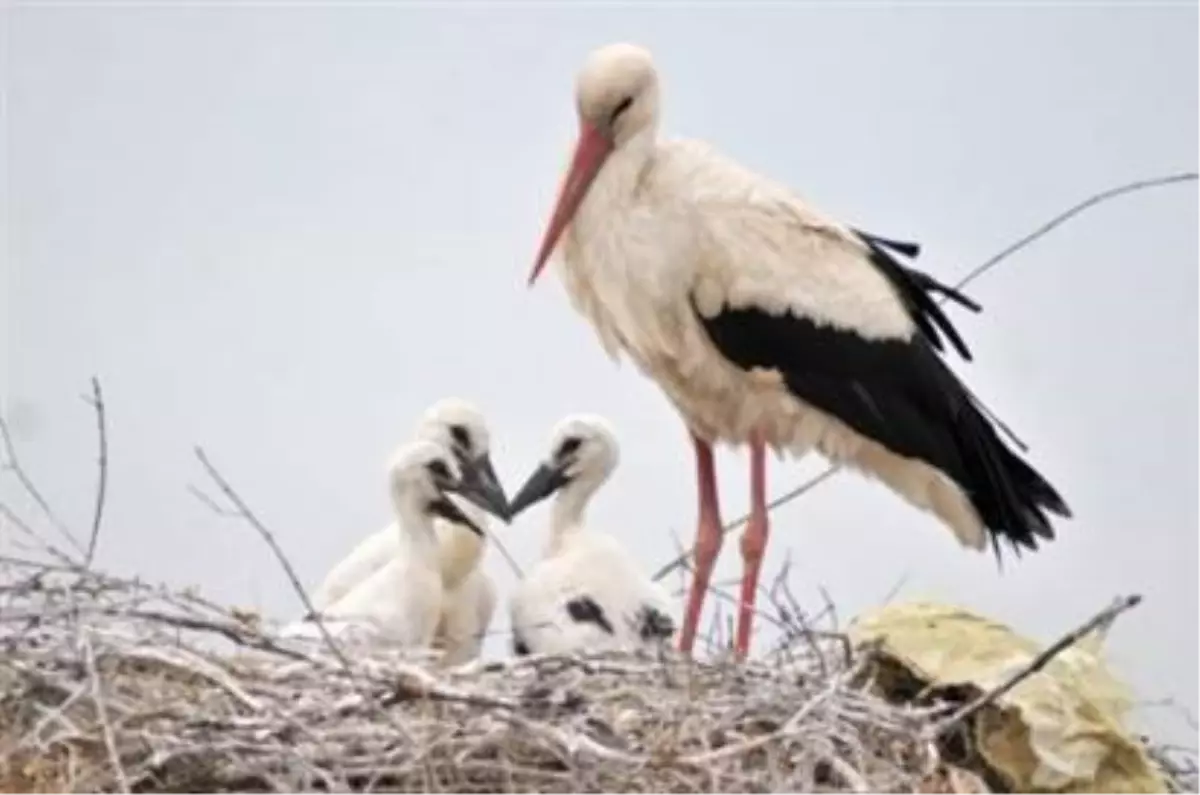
{"x":111,"y":684}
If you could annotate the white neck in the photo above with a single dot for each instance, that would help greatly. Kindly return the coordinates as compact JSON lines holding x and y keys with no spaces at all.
{"x":568,"y":511}
{"x":416,"y":528}
{"x":459,"y":548}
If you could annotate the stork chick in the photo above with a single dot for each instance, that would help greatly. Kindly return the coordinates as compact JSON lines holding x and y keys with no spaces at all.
{"x":469,"y":592}
{"x":402,"y":601}
{"x":587,"y":593}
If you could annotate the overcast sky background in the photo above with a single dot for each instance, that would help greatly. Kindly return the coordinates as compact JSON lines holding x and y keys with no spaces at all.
{"x":281,"y":233}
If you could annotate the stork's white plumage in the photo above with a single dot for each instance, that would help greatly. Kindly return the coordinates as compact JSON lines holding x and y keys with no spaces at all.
{"x":469,"y":593}
{"x":467,"y":611}
{"x":587,"y":593}
{"x":402,"y":601}
{"x":771,"y":325}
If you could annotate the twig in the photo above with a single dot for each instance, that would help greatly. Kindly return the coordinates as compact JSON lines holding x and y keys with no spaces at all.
{"x":1101,"y":619}
{"x":209,"y":502}
{"x":245,"y":512}
{"x":49,"y":549}
{"x":97,"y":402}
{"x":102,"y":714}
{"x":14,"y":465}
{"x":979,"y":270}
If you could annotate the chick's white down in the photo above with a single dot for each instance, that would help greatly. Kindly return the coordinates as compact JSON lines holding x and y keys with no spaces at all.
{"x":401,"y":602}
{"x":613,"y":597}
{"x":468,"y":597}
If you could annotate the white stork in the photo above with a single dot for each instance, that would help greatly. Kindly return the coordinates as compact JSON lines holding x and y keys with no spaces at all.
{"x":469,"y":592}
{"x":587,"y":593}
{"x":771,"y":325}
{"x":403,"y":600}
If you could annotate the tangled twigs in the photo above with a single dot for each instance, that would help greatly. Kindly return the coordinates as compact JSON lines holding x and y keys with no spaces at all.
{"x":131,"y":681}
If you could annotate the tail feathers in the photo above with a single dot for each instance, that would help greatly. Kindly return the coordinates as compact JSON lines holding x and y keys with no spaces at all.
{"x":1011,"y":497}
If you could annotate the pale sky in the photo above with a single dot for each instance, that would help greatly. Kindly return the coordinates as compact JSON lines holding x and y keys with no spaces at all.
{"x":281,"y":233}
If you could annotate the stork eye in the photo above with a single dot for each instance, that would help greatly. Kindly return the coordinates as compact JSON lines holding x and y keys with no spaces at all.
{"x":439,"y":470}
{"x":621,"y":107}
{"x":568,"y":446}
{"x":460,"y":436}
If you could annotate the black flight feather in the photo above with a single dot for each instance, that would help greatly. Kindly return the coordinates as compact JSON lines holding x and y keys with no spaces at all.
{"x":914,"y":288}
{"x":902,"y":395}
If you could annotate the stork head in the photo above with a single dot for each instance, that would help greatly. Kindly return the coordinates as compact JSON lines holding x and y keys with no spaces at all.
{"x":616,"y":95}
{"x":421,"y":475}
{"x":583,"y":453}
{"x":459,"y":426}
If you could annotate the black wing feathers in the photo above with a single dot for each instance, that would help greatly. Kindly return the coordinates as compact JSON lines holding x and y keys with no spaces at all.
{"x":902,"y":395}
{"x":914,"y":288}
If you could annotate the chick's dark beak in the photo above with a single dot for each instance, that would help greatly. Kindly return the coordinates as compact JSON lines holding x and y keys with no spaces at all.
{"x":481,"y":486}
{"x":544,"y":481}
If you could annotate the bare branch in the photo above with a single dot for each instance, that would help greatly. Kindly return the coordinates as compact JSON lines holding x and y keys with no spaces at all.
{"x":13,"y":464}
{"x":28,"y":532}
{"x":244,"y":511}
{"x":97,"y":402}
{"x":209,"y":502}
{"x":990,"y":263}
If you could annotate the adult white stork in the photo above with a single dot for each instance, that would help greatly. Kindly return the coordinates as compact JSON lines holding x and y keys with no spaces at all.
{"x":768,"y":324}
{"x":586,"y":593}
{"x":403,"y":600}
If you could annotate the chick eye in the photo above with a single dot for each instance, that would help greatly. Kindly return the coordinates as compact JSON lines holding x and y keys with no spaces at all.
{"x":621,"y":107}
{"x":460,"y":436}
{"x":568,"y":446}
{"x":439,"y":470}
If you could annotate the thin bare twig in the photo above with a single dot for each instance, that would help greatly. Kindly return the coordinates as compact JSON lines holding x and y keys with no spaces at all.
{"x":1101,"y":619}
{"x":96,"y":401}
{"x":245,"y":512}
{"x":209,"y":502}
{"x":1056,"y":221}
{"x":13,"y":464}
{"x":102,"y":715}
{"x":42,"y":544}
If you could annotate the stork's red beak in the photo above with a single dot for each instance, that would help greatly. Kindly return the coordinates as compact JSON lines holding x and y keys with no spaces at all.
{"x":591,"y":151}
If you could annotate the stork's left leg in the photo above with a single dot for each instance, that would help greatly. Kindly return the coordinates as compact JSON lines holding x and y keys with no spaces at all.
{"x":754,"y":543}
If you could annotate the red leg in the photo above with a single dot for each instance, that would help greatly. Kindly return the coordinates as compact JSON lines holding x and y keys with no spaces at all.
{"x":754,"y":542}
{"x":708,"y":541}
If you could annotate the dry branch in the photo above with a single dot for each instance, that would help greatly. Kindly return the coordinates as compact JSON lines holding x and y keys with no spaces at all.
{"x":96,"y":401}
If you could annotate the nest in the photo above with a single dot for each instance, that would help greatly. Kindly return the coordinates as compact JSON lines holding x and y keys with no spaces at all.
{"x":111,"y":684}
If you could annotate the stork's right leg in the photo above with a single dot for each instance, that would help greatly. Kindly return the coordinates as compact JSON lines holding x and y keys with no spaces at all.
{"x":708,"y":541}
